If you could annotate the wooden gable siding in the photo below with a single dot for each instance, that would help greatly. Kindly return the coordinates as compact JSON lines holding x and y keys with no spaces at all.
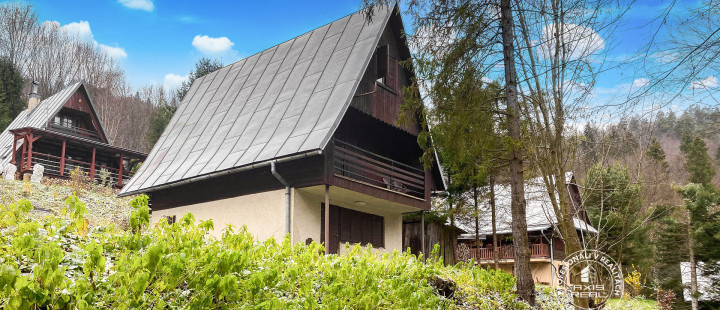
{"x":80,"y":101}
{"x":379,"y":94}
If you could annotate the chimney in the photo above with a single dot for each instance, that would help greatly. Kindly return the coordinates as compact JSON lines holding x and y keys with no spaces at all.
{"x":34,"y":99}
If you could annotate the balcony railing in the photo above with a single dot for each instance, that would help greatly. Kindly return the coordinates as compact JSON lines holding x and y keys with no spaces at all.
{"x":75,"y":131}
{"x":507,"y":252}
{"x":370,"y":168}
{"x":52,"y":167}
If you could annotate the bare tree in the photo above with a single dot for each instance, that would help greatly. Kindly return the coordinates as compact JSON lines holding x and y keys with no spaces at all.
{"x":49,"y":54}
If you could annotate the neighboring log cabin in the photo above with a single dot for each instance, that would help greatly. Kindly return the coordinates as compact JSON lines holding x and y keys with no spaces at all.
{"x":63,"y":133}
{"x":271,"y":140}
{"x":547,"y":250}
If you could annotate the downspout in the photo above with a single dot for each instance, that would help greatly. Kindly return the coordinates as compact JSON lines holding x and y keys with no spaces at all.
{"x":287,"y":195}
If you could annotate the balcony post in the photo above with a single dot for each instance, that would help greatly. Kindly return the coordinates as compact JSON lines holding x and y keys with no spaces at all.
{"x":120,"y":171}
{"x":422,"y":233}
{"x":29,"y":140}
{"x":327,"y":219}
{"x":62,"y":159}
{"x":14,"y":148}
{"x":92,"y":166}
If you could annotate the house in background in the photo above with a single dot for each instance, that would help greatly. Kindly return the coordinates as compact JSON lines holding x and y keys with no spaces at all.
{"x":547,"y":249}
{"x":62,"y":133}
{"x":298,"y":139}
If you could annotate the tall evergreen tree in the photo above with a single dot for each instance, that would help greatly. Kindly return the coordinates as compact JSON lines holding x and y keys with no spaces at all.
{"x":203,"y":67}
{"x":11,"y":98}
{"x":614,"y":204}
{"x":697,"y":160}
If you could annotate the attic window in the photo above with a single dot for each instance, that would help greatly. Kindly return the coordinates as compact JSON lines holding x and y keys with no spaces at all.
{"x":381,"y":63}
{"x":385,"y":67}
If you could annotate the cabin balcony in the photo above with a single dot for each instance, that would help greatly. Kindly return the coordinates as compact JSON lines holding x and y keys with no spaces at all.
{"x":365,"y":167}
{"x":56,"y":167}
{"x":75,"y":131}
{"x":485,"y":254}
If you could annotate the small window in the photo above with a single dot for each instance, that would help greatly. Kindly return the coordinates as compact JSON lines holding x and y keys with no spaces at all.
{"x":381,"y":63}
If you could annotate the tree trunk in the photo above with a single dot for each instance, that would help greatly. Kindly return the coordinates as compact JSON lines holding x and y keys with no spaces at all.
{"x":693,"y":266}
{"x":496,"y":254}
{"x":525,"y":284}
{"x":477,"y":218}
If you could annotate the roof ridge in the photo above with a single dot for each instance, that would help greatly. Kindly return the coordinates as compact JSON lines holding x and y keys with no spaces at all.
{"x":293,"y":38}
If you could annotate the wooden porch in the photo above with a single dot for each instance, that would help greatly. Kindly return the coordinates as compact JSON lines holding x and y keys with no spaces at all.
{"x":539,"y":250}
{"x":60,"y":154}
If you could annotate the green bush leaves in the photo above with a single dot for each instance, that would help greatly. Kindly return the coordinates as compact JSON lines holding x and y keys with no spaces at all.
{"x":61,"y":263}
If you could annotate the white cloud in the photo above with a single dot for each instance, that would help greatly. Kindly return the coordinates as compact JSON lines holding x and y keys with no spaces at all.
{"x":115,"y":52}
{"x":580,"y":41}
{"x":210,"y":45}
{"x":641,"y":82}
{"x":81,"y":31}
{"x":665,"y":57}
{"x":173,"y":81}
{"x":706,"y":83}
{"x":145,"y":5}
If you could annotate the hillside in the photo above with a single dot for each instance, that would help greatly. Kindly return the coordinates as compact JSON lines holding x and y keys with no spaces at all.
{"x":104,"y":207}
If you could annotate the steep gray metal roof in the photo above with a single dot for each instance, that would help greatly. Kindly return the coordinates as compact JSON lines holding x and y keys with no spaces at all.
{"x":38,"y":118}
{"x":283,"y":101}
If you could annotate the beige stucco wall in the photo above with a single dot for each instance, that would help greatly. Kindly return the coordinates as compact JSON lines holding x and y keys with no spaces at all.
{"x":306,"y":217}
{"x":262,"y":213}
{"x":541,"y":269}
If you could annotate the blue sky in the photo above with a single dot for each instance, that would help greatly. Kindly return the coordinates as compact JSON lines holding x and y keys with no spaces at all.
{"x":158,"y":41}
{"x":152,"y":39}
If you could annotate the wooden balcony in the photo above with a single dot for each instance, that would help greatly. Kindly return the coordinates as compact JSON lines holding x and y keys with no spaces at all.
{"x":75,"y":131}
{"x":506,"y":252}
{"x":372,"y":169}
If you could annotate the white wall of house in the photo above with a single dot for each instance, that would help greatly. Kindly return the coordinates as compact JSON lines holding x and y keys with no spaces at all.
{"x":262,"y":213}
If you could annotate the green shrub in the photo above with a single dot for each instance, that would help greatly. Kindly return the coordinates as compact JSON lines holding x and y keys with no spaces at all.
{"x":60,"y":262}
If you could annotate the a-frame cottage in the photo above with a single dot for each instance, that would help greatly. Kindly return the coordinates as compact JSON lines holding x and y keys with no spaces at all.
{"x":272,"y":139}
{"x":62,"y":133}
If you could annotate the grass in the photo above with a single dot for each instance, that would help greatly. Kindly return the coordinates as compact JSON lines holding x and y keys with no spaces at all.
{"x":104,"y":207}
{"x":635,"y":303}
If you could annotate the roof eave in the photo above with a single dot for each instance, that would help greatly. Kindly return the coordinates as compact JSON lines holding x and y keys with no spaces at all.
{"x":220,"y":173}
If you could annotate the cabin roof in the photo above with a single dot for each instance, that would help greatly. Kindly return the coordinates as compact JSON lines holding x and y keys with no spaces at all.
{"x":39,"y":117}
{"x":539,"y":211}
{"x":284,"y":101}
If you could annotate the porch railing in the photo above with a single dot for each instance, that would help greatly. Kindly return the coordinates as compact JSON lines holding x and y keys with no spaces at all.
{"x":538,"y":250}
{"x":367,"y":167}
{"x":51,"y":164}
